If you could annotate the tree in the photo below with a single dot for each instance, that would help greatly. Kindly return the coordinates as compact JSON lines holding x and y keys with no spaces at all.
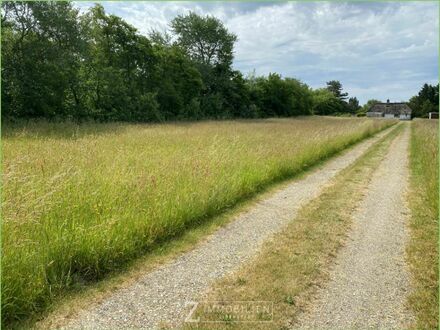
{"x":325,"y":102}
{"x":41,"y":53}
{"x":159,"y":38}
{"x":301,"y":97}
{"x":335,"y":87}
{"x":205,"y":39}
{"x":427,"y":100}
{"x":210,"y":45}
{"x":275,"y":96}
{"x":429,"y":93}
{"x":428,"y":107}
{"x":178,"y":84}
{"x":237,"y":97}
{"x":60,"y":63}
{"x":118,"y":67}
{"x":353,"y":105}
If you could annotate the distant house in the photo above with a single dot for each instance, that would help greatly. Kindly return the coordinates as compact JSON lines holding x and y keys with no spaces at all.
{"x":390,"y":110}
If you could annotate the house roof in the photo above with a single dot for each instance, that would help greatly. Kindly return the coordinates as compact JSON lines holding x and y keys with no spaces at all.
{"x":391,"y":108}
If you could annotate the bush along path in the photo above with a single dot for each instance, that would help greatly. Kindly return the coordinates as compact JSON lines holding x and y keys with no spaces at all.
{"x":369,"y":283}
{"x":160,"y":297}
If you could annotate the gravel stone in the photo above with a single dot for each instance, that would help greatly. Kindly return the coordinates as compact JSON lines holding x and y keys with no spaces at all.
{"x":369,"y":282}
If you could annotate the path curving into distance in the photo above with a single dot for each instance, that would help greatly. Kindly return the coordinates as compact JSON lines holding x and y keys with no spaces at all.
{"x":158,"y":299}
{"x":369,"y":282}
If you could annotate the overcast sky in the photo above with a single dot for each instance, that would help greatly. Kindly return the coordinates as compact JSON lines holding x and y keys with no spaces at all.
{"x":377,"y":50}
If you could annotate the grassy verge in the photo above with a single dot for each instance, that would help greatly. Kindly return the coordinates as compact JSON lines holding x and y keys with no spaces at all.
{"x":292,"y":264}
{"x":423,"y":247}
{"x":72,"y":301}
{"x":82,"y":201}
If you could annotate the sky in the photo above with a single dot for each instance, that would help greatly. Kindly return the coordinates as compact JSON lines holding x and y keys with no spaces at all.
{"x":380,"y":50}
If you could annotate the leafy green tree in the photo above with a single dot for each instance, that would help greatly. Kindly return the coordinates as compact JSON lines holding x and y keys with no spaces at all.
{"x":275,"y":96}
{"x":210,"y":45}
{"x":324,"y":102}
{"x":205,"y":39}
{"x":178,"y":84}
{"x":159,"y":38}
{"x":41,"y":51}
{"x":301,"y":97}
{"x":426,"y":101}
{"x":237,"y":97}
{"x":426,"y":107}
{"x":119,"y":63}
{"x":353,"y":105}
{"x":58,"y":63}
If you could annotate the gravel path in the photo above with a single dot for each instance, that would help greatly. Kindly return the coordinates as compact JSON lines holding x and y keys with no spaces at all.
{"x":159,"y":297}
{"x":369,"y":282}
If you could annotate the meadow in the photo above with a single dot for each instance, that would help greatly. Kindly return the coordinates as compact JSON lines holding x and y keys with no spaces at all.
{"x":81,"y":200}
{"x":423,"y":245}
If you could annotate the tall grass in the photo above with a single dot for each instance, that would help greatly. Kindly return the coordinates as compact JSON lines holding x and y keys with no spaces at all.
{"x":423,"y":246}
{"x":80,"y":201}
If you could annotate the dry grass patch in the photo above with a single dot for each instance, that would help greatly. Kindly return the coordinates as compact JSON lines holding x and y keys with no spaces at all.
{"x":423,"y":247}
{"x":295,"y":262}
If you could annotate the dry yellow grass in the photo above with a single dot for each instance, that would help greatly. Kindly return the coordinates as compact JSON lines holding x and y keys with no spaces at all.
{"x":80,"y":201}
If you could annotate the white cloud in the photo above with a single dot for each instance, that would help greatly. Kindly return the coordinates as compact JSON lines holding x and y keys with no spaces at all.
{"x":380,"y":50}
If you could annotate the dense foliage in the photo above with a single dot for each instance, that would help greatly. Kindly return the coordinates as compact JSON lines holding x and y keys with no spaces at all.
{"x":58,"y":63}
{"x":425,"y":101}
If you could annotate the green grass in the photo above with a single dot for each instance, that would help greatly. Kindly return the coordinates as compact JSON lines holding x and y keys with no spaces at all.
{"x":423,"y":246}
{"x":81,"y":201}
{"x":296,"y":261}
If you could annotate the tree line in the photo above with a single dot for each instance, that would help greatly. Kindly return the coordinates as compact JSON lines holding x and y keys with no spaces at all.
{"x":59,"y":63}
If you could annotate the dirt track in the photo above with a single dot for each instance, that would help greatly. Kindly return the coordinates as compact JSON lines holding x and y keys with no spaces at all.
{"x":159,"y":297}
{"x":369,"y":282}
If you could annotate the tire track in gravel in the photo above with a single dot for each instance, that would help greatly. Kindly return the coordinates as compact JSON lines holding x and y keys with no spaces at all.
{"x":369,"y":283}
{"x":159,"y":298}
